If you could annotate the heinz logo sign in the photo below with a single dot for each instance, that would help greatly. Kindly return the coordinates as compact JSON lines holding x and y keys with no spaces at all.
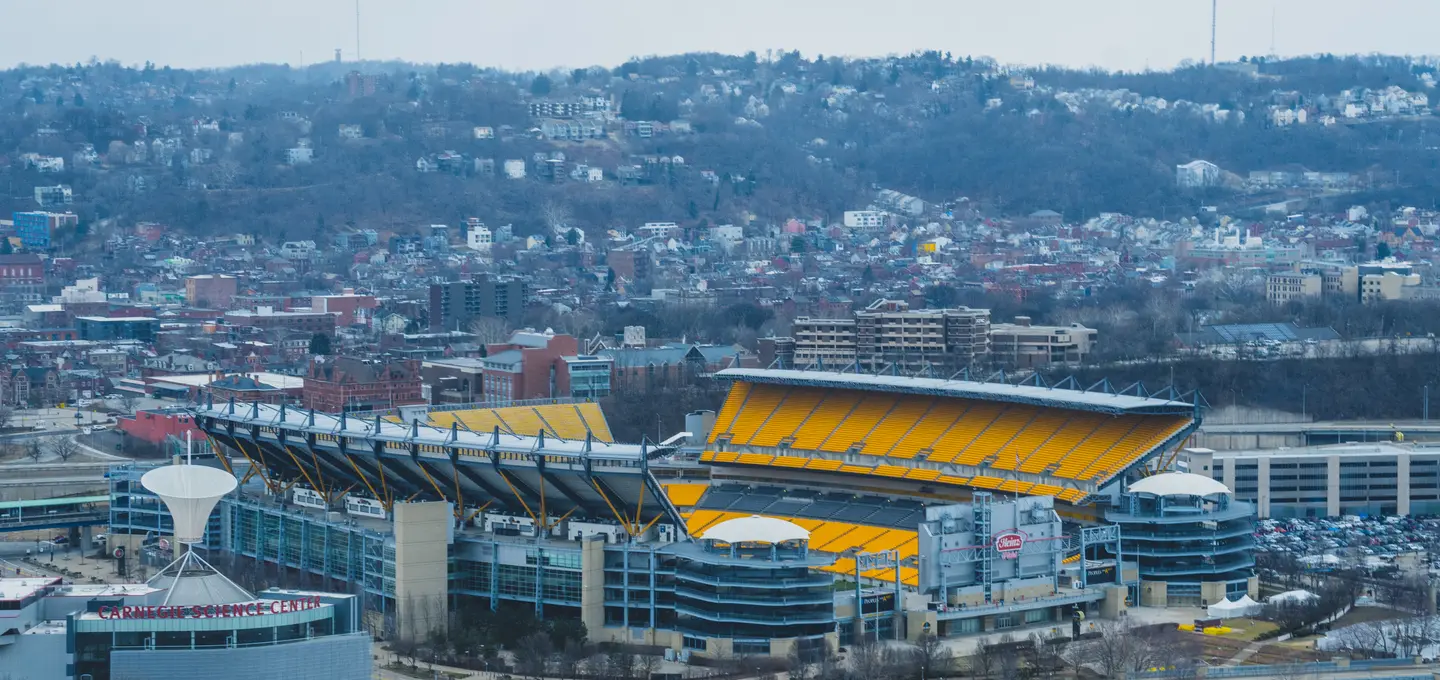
{"x":1010,"y":542}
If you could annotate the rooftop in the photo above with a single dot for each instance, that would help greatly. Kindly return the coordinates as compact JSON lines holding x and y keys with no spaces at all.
{"x":1351,"y":450}
{"x":1179,"y":484}
{"x":276,"y":380}
{"x":756,"y":529}
{"x":297,"y":418}
{"x":18,"y":588}
{"x":1105,"y":402}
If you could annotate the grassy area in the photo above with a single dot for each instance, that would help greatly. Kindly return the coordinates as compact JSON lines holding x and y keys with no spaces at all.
{"x":1249,"y":629}
{"x":1365,"y":615}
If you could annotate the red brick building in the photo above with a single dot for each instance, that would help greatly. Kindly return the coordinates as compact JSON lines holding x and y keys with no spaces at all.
{"x":210,"y":290}
{"x":348,"y":307}
{"x":152,"y":426}
{"x":527,"y":367}
{"x":350,"y":384}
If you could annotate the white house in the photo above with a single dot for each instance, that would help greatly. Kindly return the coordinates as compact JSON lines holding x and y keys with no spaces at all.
{"x":351,"y":131}
{"x":479,"y":238}
{"x":1197,"y":174}
{"x":514,"y":168}
{"x":299,"y":155}
{"x":59,"y":194}
{"x":660,"y":230}
{"x":484,"y":132}
{"x":297,"y":250}
{"x":865,"y":219}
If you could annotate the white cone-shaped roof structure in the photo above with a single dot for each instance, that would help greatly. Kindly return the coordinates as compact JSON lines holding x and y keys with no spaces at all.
{"x":190,"y":492}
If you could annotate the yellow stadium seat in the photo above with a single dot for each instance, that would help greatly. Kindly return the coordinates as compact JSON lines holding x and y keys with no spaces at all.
{"x":755,"y":459}
{"x":996,"y":435}
{"x":685,"y":495}
{"x":762,"y":403}
{"x":923,"y":474}
{"x":824,"y":420}
{"x":790,"y":461}
{"x":929,"y":430}
{"x":858,"y":537}
{"x":595,"y":420}
{"x":1080,"y":426}
{"x":856,"y":469}
{"x":821,"y":464}
{"x":863,"y":418}
{"x":907,"y":413}
{"x":979,"y":416}
{"x":707,"y":456}
{"x":1045,"y":425}
{"x":726,"y":417}
{"x":788,"y":417}
{"x":891,"y":471}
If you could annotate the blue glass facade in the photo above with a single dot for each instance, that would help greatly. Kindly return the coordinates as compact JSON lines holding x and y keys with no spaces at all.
{"x":1200,"y":547}
{"x":33,"y":228}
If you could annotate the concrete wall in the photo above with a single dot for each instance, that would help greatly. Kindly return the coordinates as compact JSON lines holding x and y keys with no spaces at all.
{"x":1153,"y":594}
{"x":1248,"y":415}
{"x":341,"y":657}
{"x":1212,"y":592}
{"x":35,"y":657}
{"x":422,"y":575}
{"x":592,"y":584}
{"x":1243,"y":442}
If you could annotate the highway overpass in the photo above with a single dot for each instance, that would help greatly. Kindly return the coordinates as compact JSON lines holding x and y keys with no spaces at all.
{"x":54,"y":513}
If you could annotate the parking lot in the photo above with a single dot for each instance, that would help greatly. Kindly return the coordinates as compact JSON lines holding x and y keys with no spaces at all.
{"x":1369,"y":542}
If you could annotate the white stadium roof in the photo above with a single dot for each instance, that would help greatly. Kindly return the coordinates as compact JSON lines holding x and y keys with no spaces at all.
{"x":756,"y":529}
{"x":1179,"y":484}
{"x":965,"y":389}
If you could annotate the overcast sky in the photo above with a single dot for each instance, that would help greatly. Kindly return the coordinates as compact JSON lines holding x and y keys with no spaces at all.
{"x":541,"y":34}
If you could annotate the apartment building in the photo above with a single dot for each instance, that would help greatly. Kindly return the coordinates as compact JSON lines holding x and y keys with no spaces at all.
{"x":454,"y":305}
{"x":1023,"y":345}
{"x":888,"y":332}
{"x":1282,"y":288}
{"x":1368,"y":283}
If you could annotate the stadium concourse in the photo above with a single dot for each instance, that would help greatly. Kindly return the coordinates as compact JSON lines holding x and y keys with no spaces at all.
{"x":890,"y":506}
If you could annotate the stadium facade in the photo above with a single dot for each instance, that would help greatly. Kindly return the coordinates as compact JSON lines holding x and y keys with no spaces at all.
{"x":871,"y":505}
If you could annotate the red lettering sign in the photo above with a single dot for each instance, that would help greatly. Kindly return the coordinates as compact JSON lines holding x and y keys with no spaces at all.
{"x":1010,"y":542}
{"x":209,"y":611}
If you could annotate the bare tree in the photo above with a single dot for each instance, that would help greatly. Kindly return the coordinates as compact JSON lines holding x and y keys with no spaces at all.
{"x":6,"y":415}
{"x":62,"y":447}
{"x":555,"y":215}
{"x":533,"y":656}
{"x":489,"y":330}
{"x":932,"y":657}
{"x":1124,"y":648}
{"x":129,"y":401}
{"x":33,"y":451}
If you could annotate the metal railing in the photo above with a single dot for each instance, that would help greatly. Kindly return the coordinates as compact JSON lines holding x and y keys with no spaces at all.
{"x":435,"y":408}
{"x":1292,"y":670}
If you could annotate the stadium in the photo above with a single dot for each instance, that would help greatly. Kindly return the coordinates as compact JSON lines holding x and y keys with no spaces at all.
{"x":813,"y":508}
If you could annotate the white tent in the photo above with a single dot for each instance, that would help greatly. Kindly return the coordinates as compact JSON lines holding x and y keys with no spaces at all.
{"x":1252,"y":607}
{"x":1229,"y":609}
{"x":1289,"y":596}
